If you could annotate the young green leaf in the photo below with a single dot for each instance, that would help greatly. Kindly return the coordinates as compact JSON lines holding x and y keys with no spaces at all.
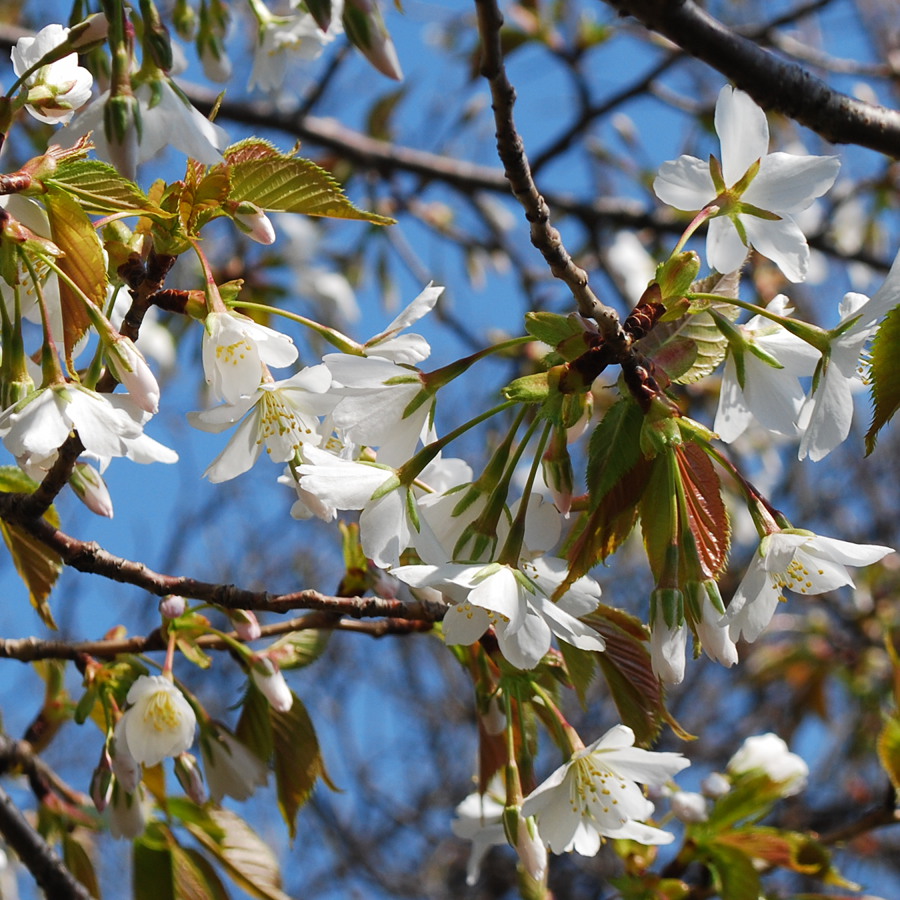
{"x":298,"y":761}
{"x":884,"y":374}
{"x":291,"y":184}
{"x":37,"y":565}
{"x":101,"y":190}
{"x":244,"y":856}
{"x":83,"y":261}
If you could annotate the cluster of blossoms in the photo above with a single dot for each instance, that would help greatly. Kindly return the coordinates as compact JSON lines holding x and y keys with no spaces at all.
{"x":356,"y":432}
{"x":159,"y":723}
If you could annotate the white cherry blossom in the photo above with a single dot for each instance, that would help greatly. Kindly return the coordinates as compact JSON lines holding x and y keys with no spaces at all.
{"x":282,"y":40}
{"x":763,"y":212}
{"x":159,"y":722}
{"x":375,"y":395}
{"x":39,"y":423}
{"x":479,"y":820}
{"x":386,"y":523}
{"x":596,"y":795}
{"x":56,"y":90}
{"x":234,"y":350}
{"x":166,"y":120}
{"x":773,"y":396}
{"x":281,"y":416}
{"x":769,"y":753}
{"x":828,"y":410}
{"x":797,"y":561}
{"x":516,"y":602}
{"x":231,"y":767}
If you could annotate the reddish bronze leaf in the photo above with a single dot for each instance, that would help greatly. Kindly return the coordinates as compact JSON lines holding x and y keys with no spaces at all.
{"x":707,"y":516}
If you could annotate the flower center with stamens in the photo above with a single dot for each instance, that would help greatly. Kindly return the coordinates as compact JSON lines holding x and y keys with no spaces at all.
{"x":161,"y":712}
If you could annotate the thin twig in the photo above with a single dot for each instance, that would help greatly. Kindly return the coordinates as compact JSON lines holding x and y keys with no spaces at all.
{"x":511,"y":151}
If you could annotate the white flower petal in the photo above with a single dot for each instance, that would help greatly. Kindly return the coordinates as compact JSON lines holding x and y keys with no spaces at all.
{"x":743,"y":131}
{"x":684,"y":183}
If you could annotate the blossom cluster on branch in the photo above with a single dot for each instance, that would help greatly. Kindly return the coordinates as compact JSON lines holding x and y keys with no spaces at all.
{"x":504,"y":557}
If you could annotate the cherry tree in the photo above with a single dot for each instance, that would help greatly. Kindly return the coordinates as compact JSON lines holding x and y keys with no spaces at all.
{"x":558,"y":476}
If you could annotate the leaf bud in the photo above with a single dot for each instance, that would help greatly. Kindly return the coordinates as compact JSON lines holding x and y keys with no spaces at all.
{"x":676,"y":275}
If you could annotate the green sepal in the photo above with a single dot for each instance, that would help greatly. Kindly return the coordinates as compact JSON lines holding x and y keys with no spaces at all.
{"x":534,"y":388}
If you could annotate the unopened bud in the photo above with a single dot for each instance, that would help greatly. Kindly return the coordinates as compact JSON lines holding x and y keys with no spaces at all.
{"x":101,"y":781}
{"x":267,"y":677}
{"x":715,"y":785}
{"x":689,"y":807}
{"x":89,"y":33}
{"x":676,"y":275}
{"x":365,"y":29}
{"x":254,"y":223}
{"x":91,"y":489}
{"x":172,"y":606}
{"x":189,"y":777}
{"x":130,"y":368}
{"x":245,"y":624}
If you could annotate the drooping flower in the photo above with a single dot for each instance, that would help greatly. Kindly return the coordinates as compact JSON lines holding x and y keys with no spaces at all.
{"x":388,"y":522}
{"x":127,"y":817}
{"x":55,"y":90}
{"x":158,"y":117}
{"x":159,"y":722}
{"x":280,"y":416}
{"x":283,"y":39}
{"x":828,"y":410}
{"x":754,"y":209}
{"x":479,"y":820}
{"x":774,"y":396}
{"x":516,"y":602}
{"x":769,"y":753}
{"x":234,"y":350}
{"x":595,"y":795}
{"x":232,"y":768}
{"x":797,"y":561}
{"x":374,"y":409}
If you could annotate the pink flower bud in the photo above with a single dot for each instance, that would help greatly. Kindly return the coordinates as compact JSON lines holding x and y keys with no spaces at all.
{"x":245,"y":624}
{"x":172,"y":606}
{"x":254,"y":223}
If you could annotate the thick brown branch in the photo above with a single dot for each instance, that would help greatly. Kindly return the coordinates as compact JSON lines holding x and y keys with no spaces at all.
{"x":518,"y":172}
{"x":772,"y":82}
{"x":39,"y":858}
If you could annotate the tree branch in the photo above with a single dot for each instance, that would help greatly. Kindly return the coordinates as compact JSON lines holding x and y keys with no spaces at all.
{"x":511,"y":151}
{"x":31,"y":649}
{"x":772,"y":82}
{"x":90,"y":557}
{"x":39,"y":858}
